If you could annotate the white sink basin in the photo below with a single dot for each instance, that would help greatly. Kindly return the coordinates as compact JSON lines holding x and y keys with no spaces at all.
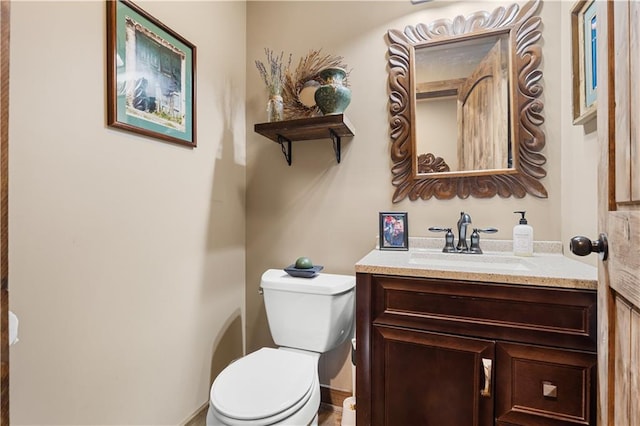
{"x":470,"y":262}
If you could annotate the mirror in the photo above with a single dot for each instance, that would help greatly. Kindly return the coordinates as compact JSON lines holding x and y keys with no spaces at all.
{"x":464,"y":104}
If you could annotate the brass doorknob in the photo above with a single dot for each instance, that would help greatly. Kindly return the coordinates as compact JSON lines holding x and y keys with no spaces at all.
{"x":582,"y":246}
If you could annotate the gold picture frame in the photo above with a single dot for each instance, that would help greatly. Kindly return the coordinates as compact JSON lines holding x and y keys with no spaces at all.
{"x":584,"y":60}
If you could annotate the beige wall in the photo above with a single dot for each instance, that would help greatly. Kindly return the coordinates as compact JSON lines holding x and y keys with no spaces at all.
{"x":126,"y":253}
{"x":329,"y":212}
{"x":580,"y":154}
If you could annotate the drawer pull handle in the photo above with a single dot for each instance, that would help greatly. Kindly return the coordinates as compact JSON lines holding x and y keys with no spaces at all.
{"x":486,"y":366}
{"x":549,"y":390}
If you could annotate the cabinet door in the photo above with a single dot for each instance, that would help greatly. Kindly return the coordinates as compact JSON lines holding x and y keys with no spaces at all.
{"x":430,"y":379}
{"x":544,"y":386}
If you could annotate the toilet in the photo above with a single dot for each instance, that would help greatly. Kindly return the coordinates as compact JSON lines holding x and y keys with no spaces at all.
{"x":307,"y":317}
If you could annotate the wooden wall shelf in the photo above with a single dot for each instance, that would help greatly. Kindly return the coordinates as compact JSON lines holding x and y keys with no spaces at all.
{"x":333,"y":126}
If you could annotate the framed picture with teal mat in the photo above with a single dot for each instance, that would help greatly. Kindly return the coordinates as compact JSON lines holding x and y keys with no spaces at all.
{"x":584,"y":57}
{"x":151,"y":73}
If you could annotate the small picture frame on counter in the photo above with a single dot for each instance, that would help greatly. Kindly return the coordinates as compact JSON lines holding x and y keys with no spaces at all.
{"x":394,"y":231}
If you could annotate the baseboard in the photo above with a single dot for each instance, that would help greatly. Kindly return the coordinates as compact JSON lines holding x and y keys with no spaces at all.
{"x":198,"y":418}
{"x":333,"y":396}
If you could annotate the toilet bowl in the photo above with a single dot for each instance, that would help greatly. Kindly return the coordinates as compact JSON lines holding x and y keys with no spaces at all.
{"x":269,"y":386}
{"x":307,"y":317}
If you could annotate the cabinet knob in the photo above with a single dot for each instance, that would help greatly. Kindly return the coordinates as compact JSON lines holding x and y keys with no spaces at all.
{"x":549,"y":390}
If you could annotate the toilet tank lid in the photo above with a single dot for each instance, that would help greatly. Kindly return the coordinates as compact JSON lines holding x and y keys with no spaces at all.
{"x":330,"y":284}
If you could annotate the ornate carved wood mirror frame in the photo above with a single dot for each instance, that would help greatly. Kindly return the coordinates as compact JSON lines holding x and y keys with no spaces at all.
{"x":522,"y":26}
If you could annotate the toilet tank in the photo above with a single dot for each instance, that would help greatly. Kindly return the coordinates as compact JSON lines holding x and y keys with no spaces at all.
{"x":314,"y":314}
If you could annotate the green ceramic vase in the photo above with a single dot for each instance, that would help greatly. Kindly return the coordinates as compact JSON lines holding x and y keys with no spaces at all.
{"x":333,"y":96}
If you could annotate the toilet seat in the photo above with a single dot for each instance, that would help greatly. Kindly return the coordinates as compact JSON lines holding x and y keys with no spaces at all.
{"x":264,"y":387}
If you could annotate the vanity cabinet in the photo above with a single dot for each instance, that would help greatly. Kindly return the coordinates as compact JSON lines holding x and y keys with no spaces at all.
{"x":433,"y":351}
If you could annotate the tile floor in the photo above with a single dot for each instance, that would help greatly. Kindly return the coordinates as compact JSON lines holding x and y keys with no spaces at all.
{"x":329,"y":415}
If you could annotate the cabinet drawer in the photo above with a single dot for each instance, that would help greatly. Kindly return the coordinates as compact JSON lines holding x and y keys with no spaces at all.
{"x":544,"y":386}
{"x":539,"y":315}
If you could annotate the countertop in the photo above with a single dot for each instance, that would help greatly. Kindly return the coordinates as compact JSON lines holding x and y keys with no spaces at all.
{"x":547,"y":267}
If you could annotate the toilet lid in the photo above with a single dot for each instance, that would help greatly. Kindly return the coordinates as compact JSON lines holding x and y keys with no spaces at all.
{"x":263,"y":384}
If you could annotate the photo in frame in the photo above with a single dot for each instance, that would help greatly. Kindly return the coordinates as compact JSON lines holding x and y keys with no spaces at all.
{"x":151,"y":70}
{"x":394,"y":231}
{"x":584,"y":60}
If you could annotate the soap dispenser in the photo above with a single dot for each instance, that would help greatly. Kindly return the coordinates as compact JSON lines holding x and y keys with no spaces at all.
{"x":522,"y":237}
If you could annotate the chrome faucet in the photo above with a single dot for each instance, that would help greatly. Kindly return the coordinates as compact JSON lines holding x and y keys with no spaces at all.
{"x":463,"y":222}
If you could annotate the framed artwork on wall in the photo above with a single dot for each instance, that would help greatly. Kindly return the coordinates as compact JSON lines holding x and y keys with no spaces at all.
{"x":584,"y":60}
{"x":394,"y":231}
{"x":151,"y":76}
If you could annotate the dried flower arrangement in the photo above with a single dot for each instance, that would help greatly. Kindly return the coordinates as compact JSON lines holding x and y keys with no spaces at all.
{"x":274,"y":76}
{"x":308,"y":69}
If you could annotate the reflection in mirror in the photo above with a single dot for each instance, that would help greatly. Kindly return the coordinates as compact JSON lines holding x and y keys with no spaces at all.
{"x":464,"y":103}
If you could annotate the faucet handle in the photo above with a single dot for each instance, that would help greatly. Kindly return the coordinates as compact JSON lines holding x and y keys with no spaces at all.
{"x":438,"y":229}
{"x":475,"y":238}
{"x":448,"y":238}
{"x":486,"y":230}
